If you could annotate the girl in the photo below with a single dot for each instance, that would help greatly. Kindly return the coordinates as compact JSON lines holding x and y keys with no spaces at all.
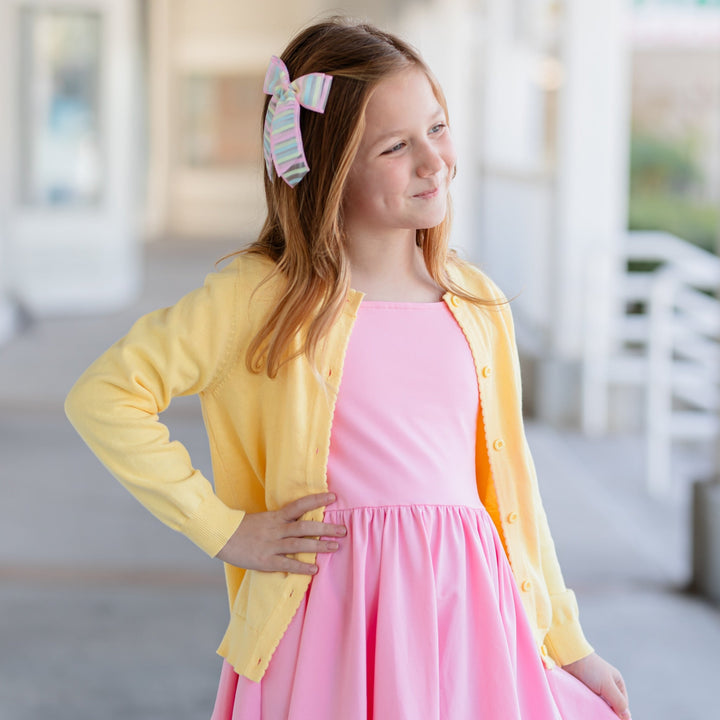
{"x":375,"y":503}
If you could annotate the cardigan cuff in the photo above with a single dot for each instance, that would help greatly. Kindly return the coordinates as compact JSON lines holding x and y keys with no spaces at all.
{"x":212,"y":524}
{"x":565,"y":641}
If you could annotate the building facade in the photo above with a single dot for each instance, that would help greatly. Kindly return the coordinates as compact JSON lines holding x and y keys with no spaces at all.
{"x":140,"y":119}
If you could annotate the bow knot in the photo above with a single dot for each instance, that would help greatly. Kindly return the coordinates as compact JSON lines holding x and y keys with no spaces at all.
{"x":282,"y":141}
{"x":284,"y":93}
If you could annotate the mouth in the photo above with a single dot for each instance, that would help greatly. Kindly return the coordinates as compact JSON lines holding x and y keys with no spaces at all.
{"x":428,"y":194}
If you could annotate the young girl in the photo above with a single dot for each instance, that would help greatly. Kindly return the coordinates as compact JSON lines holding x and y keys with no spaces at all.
{"x":386,"y":551}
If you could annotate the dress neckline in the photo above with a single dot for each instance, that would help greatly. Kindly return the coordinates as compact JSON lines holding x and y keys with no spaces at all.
{"x":400,"y":305}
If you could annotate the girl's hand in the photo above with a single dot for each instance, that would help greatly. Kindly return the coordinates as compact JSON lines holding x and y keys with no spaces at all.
{"x":262,"y":540}
{"x":604,"y":680}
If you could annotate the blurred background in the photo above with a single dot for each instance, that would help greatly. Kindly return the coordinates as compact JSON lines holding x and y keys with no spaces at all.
{"x":588,"y":186}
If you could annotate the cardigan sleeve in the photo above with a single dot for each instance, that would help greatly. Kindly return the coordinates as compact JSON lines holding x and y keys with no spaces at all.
{"x":114,"y":406}
{"x":565,"y":640}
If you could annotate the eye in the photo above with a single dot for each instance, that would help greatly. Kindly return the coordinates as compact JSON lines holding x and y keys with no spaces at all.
{"x":394,"y":148}
{"x":435,"y":129}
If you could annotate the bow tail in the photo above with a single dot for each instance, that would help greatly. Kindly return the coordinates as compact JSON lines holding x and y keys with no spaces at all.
{"x":267,"y":132}
{"x":286,"y":143}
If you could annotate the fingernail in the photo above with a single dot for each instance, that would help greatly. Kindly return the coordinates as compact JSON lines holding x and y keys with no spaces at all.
{"x":342,"y":531}
{"x":331,"y":497}
{"x":313,"y":569}
{"x":333,"y":545}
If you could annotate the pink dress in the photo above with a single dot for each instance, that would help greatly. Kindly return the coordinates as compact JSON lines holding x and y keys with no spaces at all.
{"x":417,"y":615}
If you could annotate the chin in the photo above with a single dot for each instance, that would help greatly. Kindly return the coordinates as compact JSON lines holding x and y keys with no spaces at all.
{"x":434,"y":220}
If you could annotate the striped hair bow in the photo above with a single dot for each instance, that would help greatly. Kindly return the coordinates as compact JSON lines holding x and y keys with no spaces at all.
{"x":282,"y":142}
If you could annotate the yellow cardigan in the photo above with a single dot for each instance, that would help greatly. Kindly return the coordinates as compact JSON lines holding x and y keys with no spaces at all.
{"x":270,"y":439}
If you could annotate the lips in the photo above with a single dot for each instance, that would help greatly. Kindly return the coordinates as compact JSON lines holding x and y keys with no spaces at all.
{"x":427,"y":194}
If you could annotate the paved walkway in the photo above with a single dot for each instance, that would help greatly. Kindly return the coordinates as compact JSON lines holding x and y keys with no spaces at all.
{"x":104,"y":613}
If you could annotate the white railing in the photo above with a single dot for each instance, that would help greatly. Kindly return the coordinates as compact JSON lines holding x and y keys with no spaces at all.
{"x":8,"y":320}
{"x":660,"y":332}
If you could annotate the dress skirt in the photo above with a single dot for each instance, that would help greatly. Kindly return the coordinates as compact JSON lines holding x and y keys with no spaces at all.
{"x":417,"y":615}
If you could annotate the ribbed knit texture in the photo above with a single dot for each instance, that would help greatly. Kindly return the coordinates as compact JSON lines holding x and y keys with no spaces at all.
{"x":417,"y":615}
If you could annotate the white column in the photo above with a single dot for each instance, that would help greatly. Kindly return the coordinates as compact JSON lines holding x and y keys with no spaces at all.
{"x":592,"y":175}
{"x":160,"y":78}
{"x":7,"y":310}
{"x":589,"y":210}
{"x":513,"y":190}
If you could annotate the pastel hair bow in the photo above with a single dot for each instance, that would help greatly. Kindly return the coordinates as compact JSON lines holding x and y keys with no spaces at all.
{"x":282,"y":142}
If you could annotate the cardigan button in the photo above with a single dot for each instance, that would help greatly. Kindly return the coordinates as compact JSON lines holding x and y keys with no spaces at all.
{"x":499,"y":444}
{"x":526,"y":585}
{"x":454,"y":300}
{"x":512,"y":517}
{"x":543,"y":650}
{"x":486,"y":371}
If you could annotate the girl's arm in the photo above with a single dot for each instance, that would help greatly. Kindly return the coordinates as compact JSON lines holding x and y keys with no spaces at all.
{"x":115,"y":404}
{"x":565,"y":640}
{"x":604,"y":680}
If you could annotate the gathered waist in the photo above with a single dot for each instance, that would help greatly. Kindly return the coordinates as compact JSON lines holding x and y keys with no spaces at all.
{"x":407,"y":517}
{"x":400,"y":507}
{"x":404,"y":490}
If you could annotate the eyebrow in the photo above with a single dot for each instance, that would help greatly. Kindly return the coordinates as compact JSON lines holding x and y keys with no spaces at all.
{"x":393,"y":133}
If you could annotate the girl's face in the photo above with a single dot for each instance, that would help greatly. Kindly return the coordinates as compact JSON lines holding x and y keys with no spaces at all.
{"x":401,"y":174}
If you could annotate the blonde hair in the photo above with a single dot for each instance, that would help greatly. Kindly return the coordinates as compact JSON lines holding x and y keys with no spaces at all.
{"x":303,"y":230}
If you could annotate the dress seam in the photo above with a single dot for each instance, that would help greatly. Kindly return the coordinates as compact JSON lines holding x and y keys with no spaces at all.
{"x":407,"y":505}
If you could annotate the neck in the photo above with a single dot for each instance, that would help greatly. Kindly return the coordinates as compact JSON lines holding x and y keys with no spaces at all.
{"x":390,"y":266}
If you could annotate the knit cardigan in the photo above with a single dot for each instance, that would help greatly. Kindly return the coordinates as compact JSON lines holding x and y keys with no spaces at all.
{"x":270,"y":440}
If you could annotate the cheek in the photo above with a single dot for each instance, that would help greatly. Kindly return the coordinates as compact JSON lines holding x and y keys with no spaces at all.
{"x":375,"y":188}
{"x":372,"y":188}
{"x":391,"y":179}
{"x":449,"y":153}
{"x":357,"y":196}
{"x":353,"y":195}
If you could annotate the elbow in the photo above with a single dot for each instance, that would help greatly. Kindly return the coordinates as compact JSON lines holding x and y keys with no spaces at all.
{"x":77,"y":404}
{"x":73,"y":403}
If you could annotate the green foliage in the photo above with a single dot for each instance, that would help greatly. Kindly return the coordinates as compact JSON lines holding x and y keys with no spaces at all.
{"x":698,"y":223}
{"x":657,"y":165}
{"x":664,"y":179}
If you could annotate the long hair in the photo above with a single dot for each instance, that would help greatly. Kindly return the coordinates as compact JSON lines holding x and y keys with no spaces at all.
{"x":303,"y":230}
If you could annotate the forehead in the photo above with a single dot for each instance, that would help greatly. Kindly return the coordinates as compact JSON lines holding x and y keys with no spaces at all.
{"x":398,"y":99}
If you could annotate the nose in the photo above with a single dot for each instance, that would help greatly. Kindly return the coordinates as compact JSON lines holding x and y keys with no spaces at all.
{"x":430,"y":161}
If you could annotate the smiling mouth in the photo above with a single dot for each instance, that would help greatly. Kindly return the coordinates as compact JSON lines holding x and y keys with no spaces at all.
{"x":427,"y":194}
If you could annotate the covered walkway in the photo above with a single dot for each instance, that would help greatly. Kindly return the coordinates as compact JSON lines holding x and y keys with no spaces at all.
{"x":104,"y":613}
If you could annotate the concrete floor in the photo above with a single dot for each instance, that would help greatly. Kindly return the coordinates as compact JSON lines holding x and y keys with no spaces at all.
{"x":104,"y":613}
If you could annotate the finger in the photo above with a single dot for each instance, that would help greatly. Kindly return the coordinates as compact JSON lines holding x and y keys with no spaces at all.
{"x":621,"y":685}
{"x":624,"y":713}
{"x":289,"y":565}
{"x":615,"y":699}
{"x":623,"y":710}
{"x":305,"y":545}
{"x":293,"y":510}
{"x":311,"y":528}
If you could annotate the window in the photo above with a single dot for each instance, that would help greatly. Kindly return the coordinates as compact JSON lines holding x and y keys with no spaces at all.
{"x":59,"y":106}
{"x":221,"y":120}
